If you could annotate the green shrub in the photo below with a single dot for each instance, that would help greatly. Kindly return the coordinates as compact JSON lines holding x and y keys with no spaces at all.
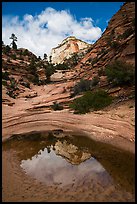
{"x":4,"y":83}
{"x":6,"y":49}
{"x":25,"y":52}
{"x":81,"y":86}
{"x":39,"y":58}
{"x":120,"y":73}
{"x":13,"y":57}
{"x":84,"y":85}
{"x":5,"y":75}
{"x":115,"y":44}
{"x":49,"y":70}
{"x":11,"y":94}
{"x":91,"y":101}
{"x":127,"y":33}
{"x":13,"y":84}
{"x":32,"y":68}
{"x":95,"y":81}
{"x":56,"y":106}
{"x":20,"y":52}
{"x":35,"y":79}
{"x":61,"y":66}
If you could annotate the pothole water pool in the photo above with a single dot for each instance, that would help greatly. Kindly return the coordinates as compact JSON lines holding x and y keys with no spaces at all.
{"x":69,"y":161}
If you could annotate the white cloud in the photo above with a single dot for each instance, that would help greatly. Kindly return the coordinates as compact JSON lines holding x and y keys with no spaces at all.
{"x":40,"y":33}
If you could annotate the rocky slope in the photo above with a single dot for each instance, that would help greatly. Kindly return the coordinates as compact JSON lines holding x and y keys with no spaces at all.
{"x":117,"y":42}
{"x":67,"y":48}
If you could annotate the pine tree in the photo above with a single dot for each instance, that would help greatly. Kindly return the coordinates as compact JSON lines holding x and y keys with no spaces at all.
{"x":13,"y":38}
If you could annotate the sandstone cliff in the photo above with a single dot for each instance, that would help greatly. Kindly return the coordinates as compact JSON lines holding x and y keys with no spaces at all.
{"x":67,"y":48}
{"x":117,"y":42}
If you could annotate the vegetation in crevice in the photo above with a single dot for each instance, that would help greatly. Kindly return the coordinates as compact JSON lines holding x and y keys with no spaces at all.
{"x":56,"y":106}
{"x":120,"y":73}
{"x":91,"y":101}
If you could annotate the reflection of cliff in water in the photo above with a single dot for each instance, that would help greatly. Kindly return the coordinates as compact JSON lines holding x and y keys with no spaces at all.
{"x":49,"y":167}
{"x":71,"y":152}
{"x":74,"y":149}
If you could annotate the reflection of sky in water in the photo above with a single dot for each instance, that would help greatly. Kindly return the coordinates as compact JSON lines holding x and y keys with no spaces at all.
{"x":53,"y":169}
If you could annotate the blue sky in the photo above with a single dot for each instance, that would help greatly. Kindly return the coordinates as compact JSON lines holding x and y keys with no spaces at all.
{"x":90,"y":18}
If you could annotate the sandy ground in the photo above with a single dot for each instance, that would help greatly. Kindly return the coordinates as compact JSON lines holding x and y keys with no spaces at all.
{"x":114,"y":125}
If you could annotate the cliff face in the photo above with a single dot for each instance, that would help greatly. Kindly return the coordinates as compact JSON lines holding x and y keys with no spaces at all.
{"x":65,"y":50}
{"x":117,"y":42}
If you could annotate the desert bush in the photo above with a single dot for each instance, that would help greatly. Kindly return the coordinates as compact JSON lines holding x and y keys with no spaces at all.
{"x":5,"y":75}
{"x":20,"y":53}
{"x":4,"y":83}
{"x":33,"y":71}
{"x":6,"y":49}
{"x":62,"y":66}
{"x":25,"y":52}
{"x":49,"y":70}
{"x":127,"y":33}
{"x":39,"y":58}
{"x":13,"y":57}
{"x":84,"y":85}
{"x":56,"y":106}
{"x":115,"y":44}
{"x":81,"y":86}
{"x":13,"y":84}
{"x":11,"y":94}
{"x":35,"y":79}
{"x":91,"y":101}
{"x":120,"y":73}
{"x":95,"y":81}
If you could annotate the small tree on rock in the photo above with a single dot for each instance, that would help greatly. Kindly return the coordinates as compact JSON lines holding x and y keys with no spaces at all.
{"x":14,"y":39}
{"x":45,"y":56}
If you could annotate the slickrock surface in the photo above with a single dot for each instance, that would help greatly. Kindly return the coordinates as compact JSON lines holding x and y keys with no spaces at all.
{"x":31,"y":109}
{"x":114,"y":124}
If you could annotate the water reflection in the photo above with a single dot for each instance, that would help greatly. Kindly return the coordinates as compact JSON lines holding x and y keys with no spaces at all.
{"x":51,"y":156}
{"x":64,"y":164}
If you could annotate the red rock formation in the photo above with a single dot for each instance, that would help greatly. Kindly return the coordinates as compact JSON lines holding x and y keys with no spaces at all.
{"x":117,"y":42}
